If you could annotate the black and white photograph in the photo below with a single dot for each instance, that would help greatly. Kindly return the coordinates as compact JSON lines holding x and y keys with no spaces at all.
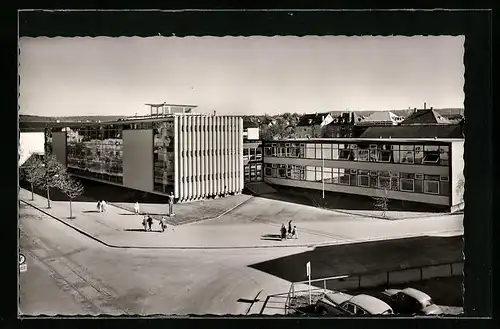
{"x":313,"y":176}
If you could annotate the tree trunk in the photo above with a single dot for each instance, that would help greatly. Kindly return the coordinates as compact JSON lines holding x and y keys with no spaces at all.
{"x":32,"y":194}
{"x":70,"y":209}
{"x":48,"y":197}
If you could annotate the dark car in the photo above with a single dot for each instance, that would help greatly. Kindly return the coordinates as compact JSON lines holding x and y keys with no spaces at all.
{"x":338,"y":303}
{"x":410,"y":301}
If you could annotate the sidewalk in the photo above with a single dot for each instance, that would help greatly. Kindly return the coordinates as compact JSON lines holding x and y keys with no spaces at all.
{"x":253,"y":224}
{"x":189,"y":212}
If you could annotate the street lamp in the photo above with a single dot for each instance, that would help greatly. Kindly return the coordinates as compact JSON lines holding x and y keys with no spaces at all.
{"x":323,"y":171}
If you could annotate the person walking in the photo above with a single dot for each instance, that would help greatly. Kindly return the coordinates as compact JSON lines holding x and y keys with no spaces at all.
{"x":103,"y":205}
{"x":283,"y":232}
{"x":144,"y":223}
{"x":295,"y":234}
{"x":171,"y":204}
{"x":150,"y":222}
{"x":98,"y":206}
{"x":163,"y":223}
{"x":290,"y":227}
{"x":136,"y":208}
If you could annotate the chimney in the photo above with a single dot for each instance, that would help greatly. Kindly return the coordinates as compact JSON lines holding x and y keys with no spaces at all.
{"x":215,"y":112}
{"x":431,"y":107}
{"x":425,"y":105}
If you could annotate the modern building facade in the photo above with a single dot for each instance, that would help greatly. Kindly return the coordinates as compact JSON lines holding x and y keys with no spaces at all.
{"x":418,"y":170}
{"x":195,"y":156}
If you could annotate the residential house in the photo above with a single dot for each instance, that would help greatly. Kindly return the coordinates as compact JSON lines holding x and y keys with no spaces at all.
{"x":310,"y":125}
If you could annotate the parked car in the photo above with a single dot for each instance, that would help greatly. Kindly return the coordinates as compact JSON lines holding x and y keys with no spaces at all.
{"x":410,"y":301}
{"x":338,"y":303}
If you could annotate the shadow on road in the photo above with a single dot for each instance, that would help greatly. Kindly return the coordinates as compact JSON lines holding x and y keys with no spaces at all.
{"x":271,"y":237}
{"x":142,"y":230}
{"x":364,"y":257}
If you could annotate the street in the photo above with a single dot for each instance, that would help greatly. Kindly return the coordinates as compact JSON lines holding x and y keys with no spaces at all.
{"x":70,"y":273}
{"x":133,"y":281}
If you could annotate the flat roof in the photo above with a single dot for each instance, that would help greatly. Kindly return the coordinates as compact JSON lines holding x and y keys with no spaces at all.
{"x":360,"y":140}
{"x":165,"y":104}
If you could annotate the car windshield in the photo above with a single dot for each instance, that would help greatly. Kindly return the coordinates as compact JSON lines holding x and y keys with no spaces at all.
{"x":427,"y":302}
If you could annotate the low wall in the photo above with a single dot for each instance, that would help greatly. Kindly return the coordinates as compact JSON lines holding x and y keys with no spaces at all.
{"x":388,"y":278}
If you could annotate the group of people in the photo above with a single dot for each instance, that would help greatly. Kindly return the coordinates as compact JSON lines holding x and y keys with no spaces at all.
{"x":290,"y":233}
{"x":147,"y":223}
{"x":101,"y":206}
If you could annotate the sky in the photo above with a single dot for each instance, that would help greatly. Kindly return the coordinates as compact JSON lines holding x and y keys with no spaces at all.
{"x":239,"y":75}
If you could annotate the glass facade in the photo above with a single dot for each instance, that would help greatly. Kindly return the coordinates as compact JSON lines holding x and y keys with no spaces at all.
{"x":363,"y":152}
{"x":395,"y":181}
{"x":163,"y":156}
{"x":252,"y":159}
{"x":96,"y":152}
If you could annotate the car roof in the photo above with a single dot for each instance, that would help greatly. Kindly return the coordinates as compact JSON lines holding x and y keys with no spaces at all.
{"x":370,"y":304}
{"x":417,"y":294}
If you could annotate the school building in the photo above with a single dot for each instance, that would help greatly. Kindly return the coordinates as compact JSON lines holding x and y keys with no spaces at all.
{"x":419,"y":170}
{"x":195,"y":156}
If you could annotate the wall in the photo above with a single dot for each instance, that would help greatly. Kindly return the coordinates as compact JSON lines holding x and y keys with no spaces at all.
{"x":252,"y":133}
{"x":29,"y":143}
{"x":457,"y":172}
{"x":396,"y":195}
{"x":138,"y":159}
{"x":208,"y":156}
{"x":59,"y":146}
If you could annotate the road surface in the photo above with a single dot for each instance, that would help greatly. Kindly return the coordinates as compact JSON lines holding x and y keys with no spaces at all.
{"x":69,"y":273}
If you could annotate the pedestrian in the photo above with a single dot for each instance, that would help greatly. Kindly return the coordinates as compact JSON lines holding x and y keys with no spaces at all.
{"x":295,"y":234}
{"x":136,"y":208}
{"x":290,"y":227}
{"x":171,"y":204}
{"x":144,"y":223}
{"x":103,"y":205}
{"x":150,"y":222}
{"x":283,"y":232}
{"x":163,"y":223}
{"x":98,"y":206}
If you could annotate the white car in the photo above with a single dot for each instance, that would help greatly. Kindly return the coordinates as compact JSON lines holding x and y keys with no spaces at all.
{"x":338,"y":303}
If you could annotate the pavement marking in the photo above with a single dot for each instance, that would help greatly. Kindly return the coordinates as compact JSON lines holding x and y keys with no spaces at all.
{"x":305,"y":245}
{"x":255,"y":300}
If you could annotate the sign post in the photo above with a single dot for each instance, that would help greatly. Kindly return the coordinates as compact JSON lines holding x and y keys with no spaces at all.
{"x":308,"y":270}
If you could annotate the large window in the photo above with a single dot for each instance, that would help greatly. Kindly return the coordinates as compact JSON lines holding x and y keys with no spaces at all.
{"x":431,"y":154}
{"x":406,"y":154}
{"x":163,"y":155}
{"x":96,"y":152}
{"x":310,"y":151}
{"x":407,"y":182}
{"x":444,"y":155}
{"x":363,"y":178}
{"x":344,"y":177}
{"x":431,"y":184}
{"x":327,"y":151}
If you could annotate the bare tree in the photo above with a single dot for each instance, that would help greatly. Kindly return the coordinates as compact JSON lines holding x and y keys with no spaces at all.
{"x":72,"y":188}
{"x":30,"y":172}
{"x":50,"y":174}
{"x":381,"y":202}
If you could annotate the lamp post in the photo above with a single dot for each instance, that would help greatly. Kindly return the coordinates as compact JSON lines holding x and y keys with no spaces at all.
{"x":323,"y":172}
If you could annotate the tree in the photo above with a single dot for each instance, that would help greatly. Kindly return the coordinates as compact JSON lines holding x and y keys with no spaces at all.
{"x":72,"y":188}
{"x":30,"y":171}
{"x":381,"y":202}
{"x":461,"y":187}
{"x":50,"y":173}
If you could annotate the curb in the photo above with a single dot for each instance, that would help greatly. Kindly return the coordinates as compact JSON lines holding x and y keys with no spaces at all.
{"x":189,"y":222}
{"x":310,"y":245}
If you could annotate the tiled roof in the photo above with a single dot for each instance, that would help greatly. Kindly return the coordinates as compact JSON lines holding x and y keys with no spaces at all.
{"x":425,"y":117}
{"x":311,"y":119}
{"x":418,"y":131}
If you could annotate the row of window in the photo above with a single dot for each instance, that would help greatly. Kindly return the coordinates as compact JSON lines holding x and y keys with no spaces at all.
{"x":389,"y":153}
{"x":405,"y":182}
